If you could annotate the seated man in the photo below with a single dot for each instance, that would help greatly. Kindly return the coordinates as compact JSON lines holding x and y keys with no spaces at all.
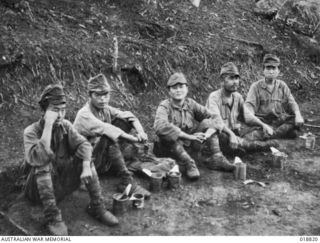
{"x":271,"y":101}
{"x":94,"y":121}
{"x":59,"y":158}
{"x":182,"y":125}
{"x":229,"y":104}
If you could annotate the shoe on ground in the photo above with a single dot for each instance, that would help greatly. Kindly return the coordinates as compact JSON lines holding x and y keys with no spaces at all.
{"x":193,"y":172}
{"x":219,"y":162}
{"x":103,"y":216}
{"x":57,"y":228}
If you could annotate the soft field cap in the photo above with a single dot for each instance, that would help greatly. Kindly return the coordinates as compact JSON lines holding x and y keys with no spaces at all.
{"x":53,"y":94}
{"x":229,"y":68}
{"x":176,"y":78}
{"x":271,"y":60}
{"x":99,"y":84}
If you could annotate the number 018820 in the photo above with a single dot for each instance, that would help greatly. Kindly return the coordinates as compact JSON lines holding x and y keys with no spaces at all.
{"x":309,"y":238}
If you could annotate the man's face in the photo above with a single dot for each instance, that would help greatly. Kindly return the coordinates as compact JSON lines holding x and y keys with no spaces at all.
{"x":100,"y":100}
{"x":231,"y":82}
{"x":60,"y":109}
{"x":271,"y":72}
{"x":178,"y":91}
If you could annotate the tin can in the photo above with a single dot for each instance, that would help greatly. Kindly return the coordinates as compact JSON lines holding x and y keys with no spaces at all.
{"x":243,"y":171}
{"x":120,"y":203}
{"x":137,"y":201}
{"x":310,"y":142}
{"x":279,"y":160}
{"x":174,"y":180}
{"x":236,"y":171}
{"x":156,"y":182}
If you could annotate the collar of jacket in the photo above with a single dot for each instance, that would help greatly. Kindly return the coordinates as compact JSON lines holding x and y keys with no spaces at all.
{"x":95,"y":110}
{"x":265,"y":86}
{"x":185,"y":105}
{"x":224,"y":100}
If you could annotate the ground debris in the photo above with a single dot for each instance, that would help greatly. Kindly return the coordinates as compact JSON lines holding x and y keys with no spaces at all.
{"x":276,"y":212}
{"x":21,"y":229}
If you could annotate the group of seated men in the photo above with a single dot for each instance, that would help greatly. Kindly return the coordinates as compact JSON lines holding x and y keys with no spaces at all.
{"x":62,"y":155}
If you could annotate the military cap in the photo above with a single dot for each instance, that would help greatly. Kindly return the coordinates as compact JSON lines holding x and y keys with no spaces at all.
{"x":271,"y":60}
{"x":99,"y":84}
{"x":229,"y":68}
{"x":176,"y":78}
{"x":52,"y":94}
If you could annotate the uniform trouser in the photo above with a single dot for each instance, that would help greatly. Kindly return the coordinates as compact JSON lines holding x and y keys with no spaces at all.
{"x":107,"y":157}
{"x":186,"y":154}
{"x":48,"y":184}
{"x":282,"y":130}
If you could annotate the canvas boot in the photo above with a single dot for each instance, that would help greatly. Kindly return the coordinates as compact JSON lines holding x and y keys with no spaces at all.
{"x":186,"y":164}
{"x":96,"y":207}
{"x":219,"y":162}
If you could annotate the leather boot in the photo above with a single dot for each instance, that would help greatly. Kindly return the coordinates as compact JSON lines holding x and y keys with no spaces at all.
{"x":259,"y":145}
{"x":192,"y":170}
{"x":102,"y":215}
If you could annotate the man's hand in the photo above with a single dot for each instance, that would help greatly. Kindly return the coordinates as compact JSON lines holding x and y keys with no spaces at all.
{"x":129,"y":137}
{"x":268,"y":130}
{"x":142,"y":137}
{"x":299,"y":121}
{"x":86,"y":174}
{"x":233,"y":141}
{"x":199,"y":136}
{"x":50,"y":117}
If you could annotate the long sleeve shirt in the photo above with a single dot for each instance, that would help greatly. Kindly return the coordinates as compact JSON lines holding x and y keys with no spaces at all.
{"x":270,"y":105}
{"x":231,"y":115}
{"x":93,"y":123}
{"x":170,"y":119}
{"x":66,"y":142}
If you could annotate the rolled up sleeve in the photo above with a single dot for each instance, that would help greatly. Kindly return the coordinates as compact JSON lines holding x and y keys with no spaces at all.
{"x":165,"y":129}
{"x":124,"y":115}
{"x":35,"y":152}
